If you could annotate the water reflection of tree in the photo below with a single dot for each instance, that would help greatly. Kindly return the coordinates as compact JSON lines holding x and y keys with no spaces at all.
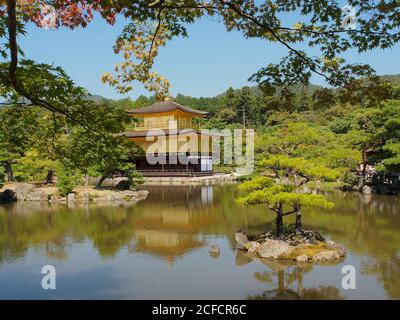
{"x":55,"y":228}
{"x":289,"y":284}
{"x":366,"y":225}
{"x":167,"y":229}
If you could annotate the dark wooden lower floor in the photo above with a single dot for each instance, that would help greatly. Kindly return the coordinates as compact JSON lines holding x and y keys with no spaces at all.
{"x":172,"y":169}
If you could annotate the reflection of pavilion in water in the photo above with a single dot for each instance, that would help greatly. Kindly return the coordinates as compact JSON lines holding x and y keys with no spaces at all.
{"x":172,"y":219}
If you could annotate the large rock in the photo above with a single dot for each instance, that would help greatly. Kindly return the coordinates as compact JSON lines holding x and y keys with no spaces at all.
{"x":214,"y":249}
{"x":241,"y":241}
{"x":71,"y":197}
{"x":366,"y":190}
{"x":143,"y":193}
{"x":326,"y":256}
{"x":252,"y":247}
{"x":339,"y":249}
{"x":124,"y":184}
{"x":129,"y":194}
{"x":273,"y":249}
{"x":83,"y":197}
{"x":39,"y":195}
{"x":302,"y":258}
{"x":22,"y":190}
{"x":7,"y":196}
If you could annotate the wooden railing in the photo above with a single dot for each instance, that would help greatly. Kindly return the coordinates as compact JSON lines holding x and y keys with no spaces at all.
{"x":166,"y":172}
{"x":165,"y":125}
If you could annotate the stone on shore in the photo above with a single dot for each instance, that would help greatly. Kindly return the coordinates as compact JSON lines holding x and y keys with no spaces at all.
{"x":48,"y":193}
{"x":366,"y":190}
{"x":39,"y":195}
{"x":326,"y":256}
{"x":71,"y":197}
{"x":302,"y":258}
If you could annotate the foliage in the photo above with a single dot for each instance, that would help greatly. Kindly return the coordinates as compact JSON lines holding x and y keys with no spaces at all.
{"x":288,"y":156}
{"x":18,"y":126}
{"x":136,"y":179}
{"x":306,"y":130}
{"x":2,"y":176}
{"x":67,"y":180}
{"x":150,"y":25}
{"x":33,"y":167}
{"x":102,"y":155}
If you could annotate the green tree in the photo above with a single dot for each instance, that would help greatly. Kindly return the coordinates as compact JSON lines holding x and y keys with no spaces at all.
{"x":369,"y":129}
{"x":284,"y":191}
{"x":18,"y":125}
{"x":244,"y":105}
{"x":104,"y":151}
{"x":67,"y":180}
{"x":292,"y":156}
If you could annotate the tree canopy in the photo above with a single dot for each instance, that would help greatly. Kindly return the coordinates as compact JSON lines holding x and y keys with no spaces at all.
{"x":150,"y":25}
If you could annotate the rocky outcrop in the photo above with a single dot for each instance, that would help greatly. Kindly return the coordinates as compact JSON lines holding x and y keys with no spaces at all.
{"x":302,"y":246}
{"x":29,"y":192}
{"x":295,"y":238}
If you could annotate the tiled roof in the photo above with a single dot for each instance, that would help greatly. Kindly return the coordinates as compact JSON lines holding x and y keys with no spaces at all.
{"x":166,"y":106}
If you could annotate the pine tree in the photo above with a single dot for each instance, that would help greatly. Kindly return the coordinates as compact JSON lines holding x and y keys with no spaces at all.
{"x":289,"y":161}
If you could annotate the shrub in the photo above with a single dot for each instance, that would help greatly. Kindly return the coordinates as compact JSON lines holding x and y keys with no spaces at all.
{"x":67,"y":180}
{"x":135,"y":178}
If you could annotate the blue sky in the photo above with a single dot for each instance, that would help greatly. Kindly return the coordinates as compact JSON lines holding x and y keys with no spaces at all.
{"x":205,"y":64}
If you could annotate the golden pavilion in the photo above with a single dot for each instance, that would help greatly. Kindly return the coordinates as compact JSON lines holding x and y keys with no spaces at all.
{"x":172,"y":141}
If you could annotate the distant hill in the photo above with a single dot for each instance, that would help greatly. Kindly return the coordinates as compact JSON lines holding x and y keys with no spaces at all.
{"x":295,"y":89}
{"x":392,"y":78}
{"x":97,"y":98}
{"x":198,"y":102}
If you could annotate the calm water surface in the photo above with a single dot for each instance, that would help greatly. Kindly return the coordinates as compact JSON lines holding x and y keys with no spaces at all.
{"x":158,"y":249}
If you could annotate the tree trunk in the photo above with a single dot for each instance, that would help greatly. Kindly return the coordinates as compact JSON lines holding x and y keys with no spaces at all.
{"x":300,"y":289}
{"x":279,"y":222}
{"x":281,"y":281}
{"x":100,"y":182}
{"x":50,"y":176}
{"x":361,"y":180}
{"x":298,"y":224}
{"x":86,"y":180}
{"x":9,"y":170}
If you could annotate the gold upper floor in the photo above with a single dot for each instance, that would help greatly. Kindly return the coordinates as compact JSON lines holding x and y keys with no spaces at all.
{"x":166,"y":120}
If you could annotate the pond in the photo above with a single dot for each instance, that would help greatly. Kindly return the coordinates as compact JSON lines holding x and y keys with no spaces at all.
{"x":158,"y":249}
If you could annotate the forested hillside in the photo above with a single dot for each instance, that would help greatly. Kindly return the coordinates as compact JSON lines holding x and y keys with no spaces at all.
{"x":344,"y":133}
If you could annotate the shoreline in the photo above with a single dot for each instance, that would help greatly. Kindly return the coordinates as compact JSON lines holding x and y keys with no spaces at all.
{"x":30,"y":192}
{"x":190,"y":181}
